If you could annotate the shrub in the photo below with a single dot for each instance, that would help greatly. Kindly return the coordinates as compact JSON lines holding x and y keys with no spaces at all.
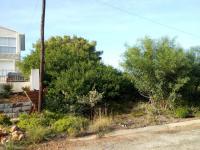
{"x":33,"y":120}
{"x":37,"y":133}
{"x":182,"y":112}
{"x":48,"y":118}
{"x":29,"y":121}
{"x":4,"y":120}
{"x":197,"y":114}
{"x":71,"y":124}
{"x":26,"y":88}
{"x":7,"y":90}
{"x":159,"y":68}
{"x":101,"y":125}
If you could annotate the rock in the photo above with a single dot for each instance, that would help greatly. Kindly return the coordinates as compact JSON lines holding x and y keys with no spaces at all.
{"x":4,"y":140}
{"x":3,"y":133}
{"x":21,"y":136}
{"x":14,"y":137}
{"x":17,"y":136}
{"x":14,"y":128}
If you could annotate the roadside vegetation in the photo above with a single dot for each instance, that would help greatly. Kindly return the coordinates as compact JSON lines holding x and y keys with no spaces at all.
{"x":160,"y":83}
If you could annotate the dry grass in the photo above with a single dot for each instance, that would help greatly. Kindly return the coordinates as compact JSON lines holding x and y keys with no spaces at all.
{"x":101,"y":125}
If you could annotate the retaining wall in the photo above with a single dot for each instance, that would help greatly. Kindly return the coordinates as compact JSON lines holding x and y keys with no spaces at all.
{"x":13,"y":110}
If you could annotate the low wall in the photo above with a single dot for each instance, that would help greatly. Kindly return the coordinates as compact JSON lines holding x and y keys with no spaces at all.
{"x":13,"y":110}
{"x":17,"y":86}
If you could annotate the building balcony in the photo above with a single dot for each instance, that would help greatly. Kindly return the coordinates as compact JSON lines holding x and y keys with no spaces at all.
{"x":10,"y":56}
{"x":11,"y":76}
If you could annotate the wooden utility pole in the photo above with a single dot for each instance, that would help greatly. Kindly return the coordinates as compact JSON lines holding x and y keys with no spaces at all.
{"x":42,"y":58}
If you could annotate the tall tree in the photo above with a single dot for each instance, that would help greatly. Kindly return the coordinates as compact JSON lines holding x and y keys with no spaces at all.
{"x":159,"y":69}
{"x":42,"y":57}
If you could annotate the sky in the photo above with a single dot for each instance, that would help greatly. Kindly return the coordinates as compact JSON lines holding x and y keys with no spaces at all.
{"x":111,"y":23}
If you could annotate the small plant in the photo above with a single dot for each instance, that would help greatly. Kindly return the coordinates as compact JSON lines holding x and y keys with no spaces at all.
{"x":7,"y":90}
{"x":71,"y":124}
{"x":48,"y":118}
{"x":91,"y":99}
{"x":101,"y":126}
{"x":29,"y":121}
{"x":182,"y":112}
{"x":4,"y":120}
{"x":37,"y":134}
{"x":26,"y":88}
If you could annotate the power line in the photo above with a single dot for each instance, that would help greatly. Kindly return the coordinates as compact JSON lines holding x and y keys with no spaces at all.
{"x":148,"y":19}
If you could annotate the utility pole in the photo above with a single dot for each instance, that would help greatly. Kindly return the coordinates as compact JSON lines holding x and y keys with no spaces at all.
{"x":42,"y":58}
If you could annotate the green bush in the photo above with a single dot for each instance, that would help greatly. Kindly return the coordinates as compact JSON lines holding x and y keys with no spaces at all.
{"x":48,"y":118}
{"x":35,"y":119}
{"x":182,"y":112}
{"x":7,"y":90}
{"x":78,"y":69}
{"x":29,"y":121}
{"x":37,"y":134}
{"x":71,"y":124}
{"x":4,"y":120}
{"x":159,"y":68}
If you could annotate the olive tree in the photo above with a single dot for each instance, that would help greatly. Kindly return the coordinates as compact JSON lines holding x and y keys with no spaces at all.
{"x":159,"y":68}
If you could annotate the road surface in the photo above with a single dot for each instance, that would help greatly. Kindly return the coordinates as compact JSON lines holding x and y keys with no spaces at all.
{"x":181,"y":136}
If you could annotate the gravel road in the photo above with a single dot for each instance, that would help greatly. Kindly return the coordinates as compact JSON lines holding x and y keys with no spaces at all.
{"x":186,"y":137}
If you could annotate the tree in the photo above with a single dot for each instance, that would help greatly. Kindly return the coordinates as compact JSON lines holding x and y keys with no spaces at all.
{"x":159,"y":68}
{"x":80,"y":79}
{"x":191,"y":90}
{"x":61,"y":53}
{"x":73,"y":68}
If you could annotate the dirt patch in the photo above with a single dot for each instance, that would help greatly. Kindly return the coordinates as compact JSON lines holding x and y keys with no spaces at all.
{"x":15,"y":98}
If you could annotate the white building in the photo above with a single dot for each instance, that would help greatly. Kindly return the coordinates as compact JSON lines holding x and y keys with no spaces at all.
{"x":11,"y":45}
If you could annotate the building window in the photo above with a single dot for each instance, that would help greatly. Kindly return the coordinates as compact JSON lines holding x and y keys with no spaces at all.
{"x":7,"y":45}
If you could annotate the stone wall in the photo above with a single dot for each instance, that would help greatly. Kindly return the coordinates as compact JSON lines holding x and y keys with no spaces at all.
{"x":13,"y":110}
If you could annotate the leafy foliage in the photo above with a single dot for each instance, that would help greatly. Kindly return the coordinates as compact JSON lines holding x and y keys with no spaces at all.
{"x":37,"y":134}
{"x":70,"y":124}
{"x":35,"y":119}
{"x":191,"y":91}
{"x":4,"y":120}
{"x":159,"y":68}
{"x":73,"y":68}
{"x":61,"y":53}
{"x":7,"y":90}
{"x":182,"y":112}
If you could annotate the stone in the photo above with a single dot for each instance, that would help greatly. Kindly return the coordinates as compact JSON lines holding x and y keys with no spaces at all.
{"x":14,"y":136}
{"x":2,"y":106}
{"x":26,"y":108}
{"x":4,"y":140}
{"x":8,"y":110}
{"x":14,"y":128}
{"x":29,"y":103}
{"x":17,"y":109}
{"x":21,"y":136}
{"x":19,"y":104}
{"x":8,"y":105}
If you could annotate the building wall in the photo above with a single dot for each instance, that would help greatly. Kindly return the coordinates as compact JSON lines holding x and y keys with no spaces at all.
{"x":16,"y":86}
{"x":7,"y":65}
{"x":11,"y":58}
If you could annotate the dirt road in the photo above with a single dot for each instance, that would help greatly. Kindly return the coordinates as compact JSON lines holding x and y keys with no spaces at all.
{"x":180,"y":136}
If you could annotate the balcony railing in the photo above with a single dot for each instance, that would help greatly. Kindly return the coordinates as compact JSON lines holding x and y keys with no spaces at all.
{"x":10,"y":56}
{"x":11,"y":76}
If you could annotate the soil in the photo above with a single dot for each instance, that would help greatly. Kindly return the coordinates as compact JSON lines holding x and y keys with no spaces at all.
{"x":14,"y":98}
